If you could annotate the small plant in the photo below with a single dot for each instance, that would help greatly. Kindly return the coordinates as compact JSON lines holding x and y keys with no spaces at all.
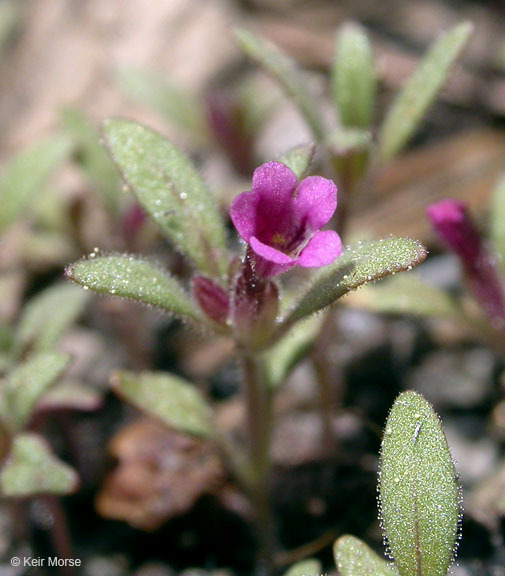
{"x":280,"y":221}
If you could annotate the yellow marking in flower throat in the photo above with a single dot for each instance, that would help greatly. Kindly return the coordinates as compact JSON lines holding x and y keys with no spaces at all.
{"x":278,"y":239}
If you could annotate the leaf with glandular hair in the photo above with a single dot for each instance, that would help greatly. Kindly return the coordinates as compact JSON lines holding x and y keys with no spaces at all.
{"x":283,"y":69}
{"x":171,"y":191}
{"x":497,"y":216}
{"x":25,"y":385}
{"x":418,"y":489}
{"x":407,"y":294}
{"x":354,"y":558}
{"x":131,"y":277}
{"x":47,"y":315}
{"x":172,"y":400}
{"x":360,"y":264}
{"x":309,"y":567}
{"x":32,"y":469}
{"x":26,"y":174}
{"x":281,"y":359}
{"x":421,"y":90}
{"x":353,"y":77}
{"x":166,"y":98}
{"x":299,"y":159}
{"x":93,"y":157}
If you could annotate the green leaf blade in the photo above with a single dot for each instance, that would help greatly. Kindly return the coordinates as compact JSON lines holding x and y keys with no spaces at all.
{"x":26,"y":175}
{"x":354,"y":558}
{"x":407,"y":294}
{"x":48,"y":315}
{"x":133,"y":278}
{"x":174,"y":401}
{"x":299,"y":159}
{"x":419,"y":493}
{"x":283,"y":69}
{"x":421,"y":89}
{"x":93,"y":157}
{"x":353,"y":77}
{"x":168,"y":187}
{"x":362,"y":263}
{"x":310,"y":567}
{"x":26,"y":384}
{"x":32,"y":469}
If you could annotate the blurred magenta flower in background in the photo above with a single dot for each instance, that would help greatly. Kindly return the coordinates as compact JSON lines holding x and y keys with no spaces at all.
{"x":456,"y":228}
{"x":280,"y":219}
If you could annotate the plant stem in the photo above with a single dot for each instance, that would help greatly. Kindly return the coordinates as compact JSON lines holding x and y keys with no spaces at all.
{"x":259,"y":422}
{"x":59,"y":532}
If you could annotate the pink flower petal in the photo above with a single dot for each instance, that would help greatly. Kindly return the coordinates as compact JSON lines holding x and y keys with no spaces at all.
{"x":322,"y":249}
{"x":315,"y":202}
{"x":274,"y":182}
{"x":269,"y":253}
{"x":243,"y":214}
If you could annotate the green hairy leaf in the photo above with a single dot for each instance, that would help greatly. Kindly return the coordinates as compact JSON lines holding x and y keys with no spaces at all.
{"x":299,"y":159}
{"x":309,"y":567}
{"x":419,"y":493}
{"x":165,"y":98}
{"x":354,"y":558}
{"x":32,"y":469}
{"x":421,"y":90}
{"x":353,"y":77}
{"x":93,"y":156}
{"x":26,"y":384}
{"x":24,"y":176}
{"x":362,"y":263}
{"x":283,"y":69}
{"x":171,"y":191}
{"x":131,"y":277}
{"x":497,"y":216}
{"x":48,"y":315}
{"x":281,"y":359}
{"x":407,"y":294}
{"x":174,"y":401}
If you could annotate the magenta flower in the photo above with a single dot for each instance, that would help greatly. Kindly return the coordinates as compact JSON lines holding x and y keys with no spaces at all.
{"x":281,"y":220}
{"x":454,"y":225}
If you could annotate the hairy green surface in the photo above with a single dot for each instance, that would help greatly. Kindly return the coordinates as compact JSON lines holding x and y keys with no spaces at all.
{"x":497,"y":217}
{"x":354,"y":558}
{"x":299,"y":159}
{"x":309,"y":567}
{"x":26,"y":175}
{"x":419,"y":493}
{"x":407,"y":294}
{"x":93,"y":157}
{"x":283,"y":69}
{"x":284,"y":355}
{"x":421,"y":89}
{"x":48,"y":315}
{"x":131,"y":277}
{"x":26,"y":384}
{"x":32,"y":469}
{"x":169,"y":188}
{"x":362,"y":263}
{"x":174,"y":401}
{"x":353,"y":77}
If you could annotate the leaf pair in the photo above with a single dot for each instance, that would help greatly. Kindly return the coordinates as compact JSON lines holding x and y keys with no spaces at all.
{"x":353,"y":83}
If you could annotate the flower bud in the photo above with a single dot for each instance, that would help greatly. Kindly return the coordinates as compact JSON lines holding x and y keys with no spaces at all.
{"x":212,"y":298}
{"x":255,"y":304}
